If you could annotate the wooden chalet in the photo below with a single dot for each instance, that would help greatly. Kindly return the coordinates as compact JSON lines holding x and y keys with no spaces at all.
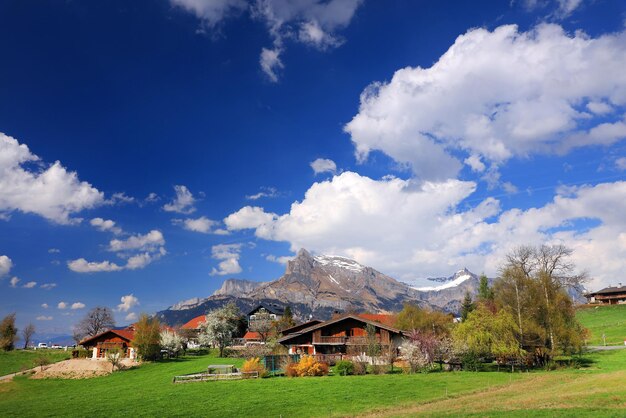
{"x":342,"y":336}
{"x":114,"y":338}
{"x":263,"y":312}
{"x":609,"y":296}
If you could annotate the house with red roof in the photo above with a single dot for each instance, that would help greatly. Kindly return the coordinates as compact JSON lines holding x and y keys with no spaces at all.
{"x":342,"y":336}
{"x":121,"y":339}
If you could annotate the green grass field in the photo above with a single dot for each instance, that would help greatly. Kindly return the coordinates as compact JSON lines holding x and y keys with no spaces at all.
{"x":607,"y":320}
{"x":18,"y":360}
{"x":148,"y":391}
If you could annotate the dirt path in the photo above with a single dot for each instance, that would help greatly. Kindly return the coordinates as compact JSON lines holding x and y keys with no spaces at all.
{"x":70,"y":369}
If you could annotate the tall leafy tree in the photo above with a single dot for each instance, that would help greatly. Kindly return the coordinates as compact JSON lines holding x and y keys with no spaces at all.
{"x":147,"y":338}
{"x":485,"y":293}
{"x":412,"y":317}
{"x":8,"y":332}
{"x":532,"y":287}
{"x":219,"y":326}
{"x":467,"y":306}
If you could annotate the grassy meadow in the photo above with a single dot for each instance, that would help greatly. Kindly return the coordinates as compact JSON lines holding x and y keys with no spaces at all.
{"x":148,"y":391}
{"x":607,"y":320}
{"x":18,"y":360}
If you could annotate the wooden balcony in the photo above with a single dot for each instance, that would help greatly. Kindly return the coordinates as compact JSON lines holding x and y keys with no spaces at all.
{"x":344,"y":340}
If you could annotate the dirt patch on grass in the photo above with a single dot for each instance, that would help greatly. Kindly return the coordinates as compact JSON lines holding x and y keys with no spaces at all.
{"x":77,"y":369}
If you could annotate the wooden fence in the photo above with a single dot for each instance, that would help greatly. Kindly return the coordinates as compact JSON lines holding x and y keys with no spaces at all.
{"x":207,"y":377}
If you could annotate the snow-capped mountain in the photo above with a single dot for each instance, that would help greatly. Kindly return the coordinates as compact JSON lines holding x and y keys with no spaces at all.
{"x":322,"y":284}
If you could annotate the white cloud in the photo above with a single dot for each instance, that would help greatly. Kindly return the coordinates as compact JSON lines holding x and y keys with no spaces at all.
{"x":128,"y":303}
{"x":496,"y":95}
{"x":324,"y":165}
{"x":475,"y":163}
{"x":211,"y":12}
{"x":412,"y":231}
{"x":83,"y":266}
{"x":150,"y":241}
{"x":54,"y":251}
{"x":14,"y":281}
{"x":44,"y":318}
{"x":62,"y":305}
{"x":312,"y":22}
{"x":132,"y":316}
{"x":599,"y":108}
{"x":266,"y":192}
{"x":105,"y":225}
{"x":44,"y":305}
{"x":120,"y":198}
{"x":229,"y":254}
{"x":77,"y":305}
{"x":183,"y":203}
{"x":280,"y":260}
{"x":29,"y":285}
{"x":620,"y":163}
{"x":201,"y":224}
{"x":251,"y":217}
{"x":152,"y":197}
{"x":49,"y":190}
{"x":566,"y":7}
{"x":5,"y":265}
{"x":48,"y":286}
{"x":271,"y":63}
{"x":140,"y":261}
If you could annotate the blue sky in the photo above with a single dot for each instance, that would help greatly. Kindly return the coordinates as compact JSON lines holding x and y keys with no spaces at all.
{"x":151,"y":150}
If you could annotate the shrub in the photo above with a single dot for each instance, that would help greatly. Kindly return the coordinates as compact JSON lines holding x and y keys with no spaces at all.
{"x":291,"y":370}
{"x":344,"y":367}
{"x":308,"y":366}
{"x":81,"y":353}
{"x":360,"y":368}
{"x":377,"y":369}
{"x":254,"y":365}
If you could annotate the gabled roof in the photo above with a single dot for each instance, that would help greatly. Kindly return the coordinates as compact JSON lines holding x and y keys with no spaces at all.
{"x":339,"y":319}
{"x":127,"y":334}
{"x":609,"y":290}
{"x":251,"y":335}
{"x":195,"y":322}
{"x":271,"y":308}
{"x":386,"y":319}
{"x":299,"y":327}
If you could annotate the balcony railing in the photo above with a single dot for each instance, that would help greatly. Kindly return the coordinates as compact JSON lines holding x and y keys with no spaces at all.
{"x":344,"y":340}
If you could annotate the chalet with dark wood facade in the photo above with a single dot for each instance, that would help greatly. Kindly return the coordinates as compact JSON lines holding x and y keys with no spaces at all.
{"x":345,"y":335}
{"x":114,"y":338}
{"x":608,"y":296}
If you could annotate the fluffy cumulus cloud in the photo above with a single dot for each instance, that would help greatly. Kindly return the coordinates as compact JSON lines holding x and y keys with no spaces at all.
{"x":415,"y":230}
{"x":131,"y":316}
{"x":77,"y":305}
{"x":150,"y":241}
{"x":14,"y":281}
{"x":202,"y":224}
{"x":29,"y":185}
{"x":128,"y":303}
{"x":182,"y":203}
{"x":105,"y":225}
{"x":5,"y":265}
{"x":495,"y":95}
{"x":81,"y":265}
{"x":228,"y":254}
{"x":44,"y":305}
{"x":29,"y":285}
{"x":139,"y":250}
{"x":311,"y":22}
{"x":62,"y":305}
{"x":620,"y":163}
{"x":323,"y":165}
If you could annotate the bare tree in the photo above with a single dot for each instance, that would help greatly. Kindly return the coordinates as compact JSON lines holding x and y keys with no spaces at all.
{"x":27,"y":334}
{"x":96,"y":321}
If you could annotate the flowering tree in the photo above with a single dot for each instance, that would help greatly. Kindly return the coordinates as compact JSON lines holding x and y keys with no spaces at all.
{"x":419,"y":350}
{"x":219,"y":326}
{"x":171,"y":342}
